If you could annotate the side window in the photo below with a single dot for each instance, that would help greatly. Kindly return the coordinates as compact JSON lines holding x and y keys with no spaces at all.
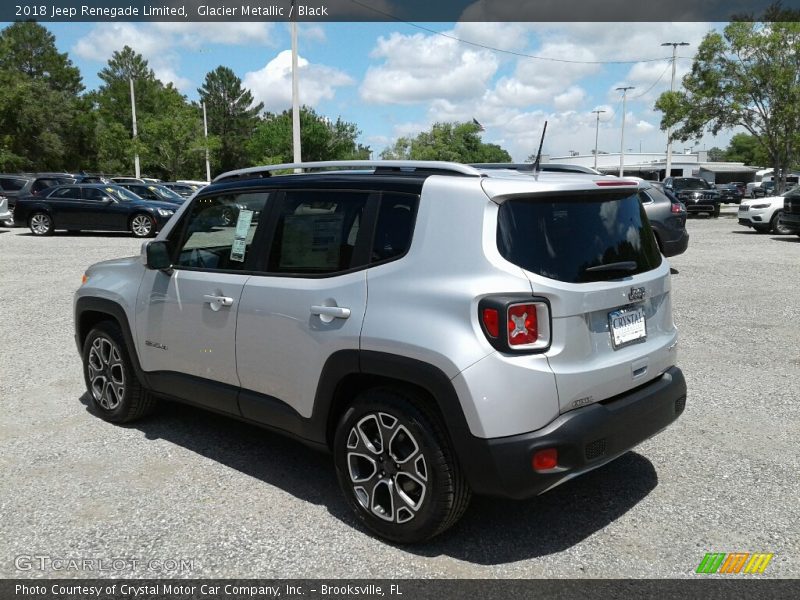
{"x":218,"y":231}
{"x":645,"y":197}
{"x":317,"y":231}
{"x":395,"y":225}
{"x":67,"y":193}
{"x":12,"y":185}
{"x":94,"y":194}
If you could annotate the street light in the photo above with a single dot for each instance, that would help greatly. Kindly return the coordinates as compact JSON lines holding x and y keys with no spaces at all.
{"x":674,"y":45}
{"x":133,"y":113}
{"x":596,"y":133}
{"x":205,"y":132}
{"x":624,"y":91}
{"x":295,"y":94}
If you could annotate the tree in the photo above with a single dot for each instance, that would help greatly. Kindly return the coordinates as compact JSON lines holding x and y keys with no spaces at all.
{"x":43,"y":120}
{"x":29,"y":49}
{"x":716,"y":154}
{"x":747,"y":149}
{"x":232,"y":116}
{"x":320,"y":139}
{"x":458,"y":142}
{"x":746,"y":77}
{"x":156,"y":104}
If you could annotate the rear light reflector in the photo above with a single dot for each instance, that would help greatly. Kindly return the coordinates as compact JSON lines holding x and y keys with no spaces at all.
{"x":544,"y":460}
{"x":522,"y":323}
{"x":515,"y":323}
{"x":491,"y":321}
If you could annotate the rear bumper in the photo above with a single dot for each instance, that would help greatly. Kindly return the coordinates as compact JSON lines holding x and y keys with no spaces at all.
{"x":676,"y":246}
{"x":586,"y":438}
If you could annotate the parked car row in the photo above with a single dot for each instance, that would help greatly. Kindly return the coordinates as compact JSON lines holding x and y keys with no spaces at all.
{"x":89,"y":202}
{"x":92,"y":207}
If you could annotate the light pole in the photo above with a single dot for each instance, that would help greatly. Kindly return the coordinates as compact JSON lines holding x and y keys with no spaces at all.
{"x":205,"y":132}
{"x":596,"y":134}
{"x":674,"y":45}
{"x":295,"y":95}
{"x":133,"y":113}
{"x":624,"y":91}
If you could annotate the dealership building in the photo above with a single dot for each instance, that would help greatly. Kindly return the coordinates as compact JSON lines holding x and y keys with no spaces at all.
{"x":653,"y":166}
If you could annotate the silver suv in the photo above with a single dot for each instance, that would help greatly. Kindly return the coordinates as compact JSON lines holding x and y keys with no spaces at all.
{"x":440,"y":329}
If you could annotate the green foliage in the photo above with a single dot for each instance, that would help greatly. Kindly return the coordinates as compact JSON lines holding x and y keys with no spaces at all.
{"x":320,"y":139}
{"x":458,"y":142}
{"x":747,"y":149}
{"x":746,"y":77}
{"x":232,"y":116}
{"x":29,"y":49}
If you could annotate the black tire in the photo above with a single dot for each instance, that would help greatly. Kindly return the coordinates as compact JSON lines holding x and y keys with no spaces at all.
{"x":114,"y":390}
{"x":761,"y":228}
{"x":41,"y":223}
{"x":776,"y":226}
{"x":142,"y":225}
{"x":415,"y":474}
{"x":717,"y":210}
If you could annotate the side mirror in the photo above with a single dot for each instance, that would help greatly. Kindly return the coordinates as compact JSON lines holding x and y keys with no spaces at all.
{"x":157,"y":255}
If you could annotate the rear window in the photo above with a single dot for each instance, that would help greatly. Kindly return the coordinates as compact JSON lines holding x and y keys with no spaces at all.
{"x":578,"y":238}
{"x":12,"y":185}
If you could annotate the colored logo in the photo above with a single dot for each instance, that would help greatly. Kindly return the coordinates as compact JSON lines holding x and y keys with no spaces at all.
{"x":735,"y":562}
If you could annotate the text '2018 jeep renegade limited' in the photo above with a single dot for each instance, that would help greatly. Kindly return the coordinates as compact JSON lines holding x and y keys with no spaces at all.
{"x":440,"y":329}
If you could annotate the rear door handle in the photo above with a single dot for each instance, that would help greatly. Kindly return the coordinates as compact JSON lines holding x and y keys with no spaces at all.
{"x":329,"y":313}
{"x":218,"y":302}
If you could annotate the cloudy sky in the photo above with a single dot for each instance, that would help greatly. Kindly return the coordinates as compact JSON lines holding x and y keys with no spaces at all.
{"x":396,"y":79}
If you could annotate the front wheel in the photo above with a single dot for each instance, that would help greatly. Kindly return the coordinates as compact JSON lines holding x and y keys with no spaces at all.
{"x":41,"y":224}
{"x":142,"y":226}
{"x":777,"y":225}
{"x":717,"y":210}
{"x":396,"y":467}
{"x":115,"y":392}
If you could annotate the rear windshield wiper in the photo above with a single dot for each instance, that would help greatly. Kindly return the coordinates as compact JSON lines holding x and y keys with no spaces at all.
{"x":625,"y":265}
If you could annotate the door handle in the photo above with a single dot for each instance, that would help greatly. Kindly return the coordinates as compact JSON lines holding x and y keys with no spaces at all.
{"x":329,"y":313}
{"x":218,"y":302}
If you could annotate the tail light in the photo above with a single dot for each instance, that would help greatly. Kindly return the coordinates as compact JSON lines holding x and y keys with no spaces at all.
{"x":516,"y":323}
{"x":678,"y":207}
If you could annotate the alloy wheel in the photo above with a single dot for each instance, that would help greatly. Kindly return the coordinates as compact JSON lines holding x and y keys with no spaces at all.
{"x":141,"y":225}
{"x":387,"y":468}
{"x":40,"y":223}
{"x":106,"y":373}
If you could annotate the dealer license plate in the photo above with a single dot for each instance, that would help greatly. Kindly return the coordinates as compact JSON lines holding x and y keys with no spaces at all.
{"x":627,"y":326}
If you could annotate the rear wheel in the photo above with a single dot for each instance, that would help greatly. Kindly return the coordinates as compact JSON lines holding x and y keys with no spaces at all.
{"x":114,"y":389}
{"x":142,"y":225}
{"x":396,"y":467}
{"x":41,"y":224}
{"x":777,"y":226}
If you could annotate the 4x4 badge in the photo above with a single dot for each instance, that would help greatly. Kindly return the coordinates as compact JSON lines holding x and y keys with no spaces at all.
{"x":636,"y":294}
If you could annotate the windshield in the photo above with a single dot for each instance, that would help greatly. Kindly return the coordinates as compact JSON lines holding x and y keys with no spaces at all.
{"x":693,"y":183}
{"x":165,"y":193}
{"x":121,"y":193}
{"x":578,"y":238}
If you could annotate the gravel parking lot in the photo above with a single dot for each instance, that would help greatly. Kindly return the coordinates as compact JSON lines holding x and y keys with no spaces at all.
{"x":235,"y":501}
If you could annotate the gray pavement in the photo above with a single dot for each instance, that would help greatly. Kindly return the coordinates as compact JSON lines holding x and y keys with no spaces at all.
{"x":231,"y":500}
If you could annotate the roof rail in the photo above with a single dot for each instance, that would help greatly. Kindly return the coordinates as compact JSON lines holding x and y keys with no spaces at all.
{"x":381,"y":166}
{"x":545,"y":167}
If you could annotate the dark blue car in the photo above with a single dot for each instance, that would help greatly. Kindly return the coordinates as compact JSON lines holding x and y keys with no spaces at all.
{"x":92,"y":207}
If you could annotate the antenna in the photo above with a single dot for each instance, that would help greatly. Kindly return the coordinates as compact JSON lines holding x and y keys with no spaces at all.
{"x":538,"y":160}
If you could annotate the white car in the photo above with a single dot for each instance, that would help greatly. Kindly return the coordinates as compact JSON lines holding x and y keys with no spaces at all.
{"x":763,"y":214}
{"x":5,"y":214}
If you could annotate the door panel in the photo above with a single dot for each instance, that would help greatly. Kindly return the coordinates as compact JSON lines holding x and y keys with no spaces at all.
{"x":281,"y":345}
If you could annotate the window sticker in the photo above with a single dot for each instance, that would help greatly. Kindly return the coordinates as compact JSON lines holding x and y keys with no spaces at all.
{"x":311,"y":241}
{"x":240,"y":235}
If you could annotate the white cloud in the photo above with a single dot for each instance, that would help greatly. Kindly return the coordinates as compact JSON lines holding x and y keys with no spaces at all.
{"x":272,"y":85}
{"x":644,"y":127}
{"x":418,"y":68}
{"x":570,"y":99}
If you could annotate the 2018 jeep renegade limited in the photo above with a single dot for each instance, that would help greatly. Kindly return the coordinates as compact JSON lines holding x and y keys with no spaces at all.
{"x":440,"y":329}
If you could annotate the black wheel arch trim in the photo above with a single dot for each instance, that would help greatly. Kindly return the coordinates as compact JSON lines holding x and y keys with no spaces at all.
{"x":87,"y":305}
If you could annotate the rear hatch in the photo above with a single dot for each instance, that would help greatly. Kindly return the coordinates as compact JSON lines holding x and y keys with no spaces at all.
{"x":593,"y":255}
